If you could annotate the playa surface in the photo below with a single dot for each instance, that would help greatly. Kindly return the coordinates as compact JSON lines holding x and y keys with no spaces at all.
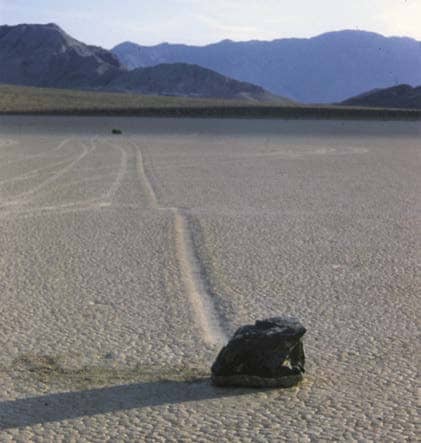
{"x":126,"y":262}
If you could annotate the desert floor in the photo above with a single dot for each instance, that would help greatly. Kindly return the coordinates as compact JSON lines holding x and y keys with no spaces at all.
{"x":127,"y":261}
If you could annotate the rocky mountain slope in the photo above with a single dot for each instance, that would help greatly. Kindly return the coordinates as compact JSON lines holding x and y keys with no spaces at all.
{"x":45,"y":56}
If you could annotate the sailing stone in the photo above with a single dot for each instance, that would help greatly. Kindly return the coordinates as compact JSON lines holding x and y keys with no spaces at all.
{"x":269,"y":353}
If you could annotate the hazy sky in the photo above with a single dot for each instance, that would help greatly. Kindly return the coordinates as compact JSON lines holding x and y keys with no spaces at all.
{"x":108,"y":22}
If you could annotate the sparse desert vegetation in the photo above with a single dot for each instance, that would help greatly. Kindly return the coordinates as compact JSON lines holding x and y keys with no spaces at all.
{"x":45,"y":101}
{"x":21,"y":99}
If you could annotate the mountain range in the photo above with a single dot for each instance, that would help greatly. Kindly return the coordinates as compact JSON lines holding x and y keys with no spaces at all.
{"x":45,"y":56}
{"x":328,"y":68}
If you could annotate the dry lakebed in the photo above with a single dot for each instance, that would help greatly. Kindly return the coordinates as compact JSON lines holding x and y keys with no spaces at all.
{"x":127,"y":261}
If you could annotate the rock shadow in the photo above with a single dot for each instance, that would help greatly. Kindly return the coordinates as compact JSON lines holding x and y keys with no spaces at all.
{"x":72,"y":405}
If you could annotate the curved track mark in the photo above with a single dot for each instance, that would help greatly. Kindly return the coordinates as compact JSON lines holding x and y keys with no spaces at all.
{"x":61,"y":145}
{"x":109,"y":195}
{"x":85,"y":180}
{"x":31,"y":173}
{"x":41,"y":154}
{"x":310,"y":151}
{"x":21,"y":198}
{"x":66,"y":208}
{"x":140,"y":166}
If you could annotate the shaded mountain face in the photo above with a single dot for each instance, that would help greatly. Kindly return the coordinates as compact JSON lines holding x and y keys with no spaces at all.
{"x":44,"y":55}
{"x":188,"y":80}
{"x":401,"y":96}
{"x":324,"y":69}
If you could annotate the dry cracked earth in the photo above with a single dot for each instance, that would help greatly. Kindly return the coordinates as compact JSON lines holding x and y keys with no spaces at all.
{"x":126,"y":262}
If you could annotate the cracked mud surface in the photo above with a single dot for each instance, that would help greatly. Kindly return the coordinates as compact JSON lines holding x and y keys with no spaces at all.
{"x":126,"y":261}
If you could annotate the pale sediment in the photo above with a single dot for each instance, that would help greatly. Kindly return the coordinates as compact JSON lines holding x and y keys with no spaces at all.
{"x":108,"y":271}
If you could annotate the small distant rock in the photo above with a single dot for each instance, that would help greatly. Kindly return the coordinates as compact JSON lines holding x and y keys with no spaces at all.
{"x":269,"y":353}
{"x":117,"y":131}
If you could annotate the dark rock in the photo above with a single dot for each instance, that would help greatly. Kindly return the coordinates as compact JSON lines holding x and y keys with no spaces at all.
{"x":267,"y":354}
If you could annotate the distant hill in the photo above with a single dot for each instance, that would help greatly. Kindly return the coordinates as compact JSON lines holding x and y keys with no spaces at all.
{"x":45,"y":56}
{"x":189,"y":80}
{"x":401,"y":96}
{"x":328,"y":68}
